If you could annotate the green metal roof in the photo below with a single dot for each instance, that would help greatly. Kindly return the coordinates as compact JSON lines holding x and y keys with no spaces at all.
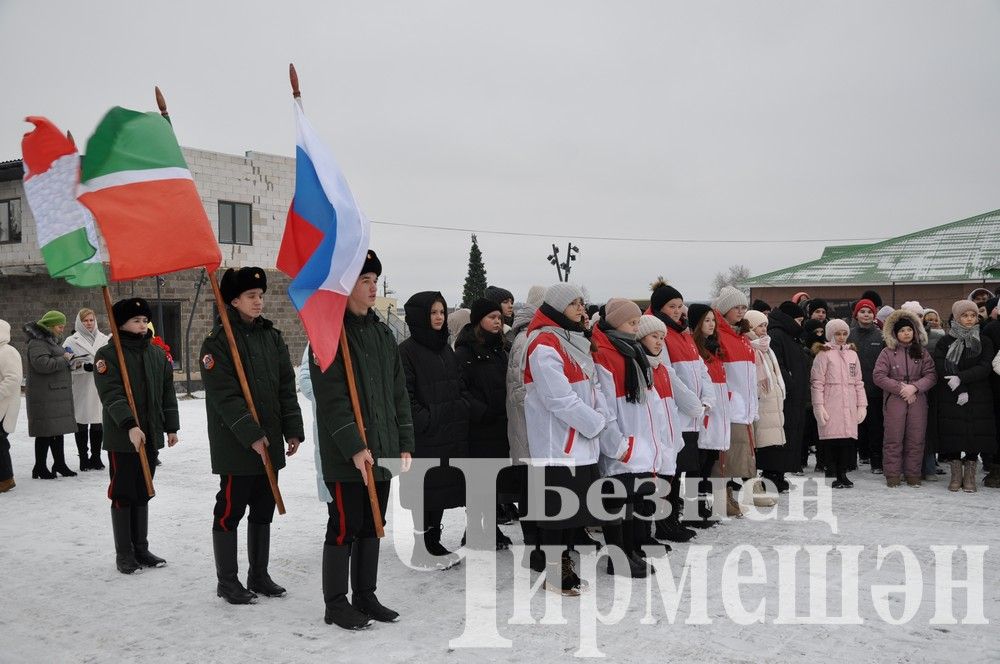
{"x":966,"y":250}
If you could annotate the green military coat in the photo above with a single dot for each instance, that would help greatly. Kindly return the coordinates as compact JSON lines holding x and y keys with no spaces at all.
{"x":231,"y":429}
{"x":152,"y":381}
{"x":384,"y":401}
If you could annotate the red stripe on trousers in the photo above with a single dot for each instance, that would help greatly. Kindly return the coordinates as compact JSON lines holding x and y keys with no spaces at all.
{"x":229,"y":504}
{"x":343,"y":518}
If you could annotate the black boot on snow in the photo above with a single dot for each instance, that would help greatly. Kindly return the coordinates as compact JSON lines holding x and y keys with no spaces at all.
{"x":364,"y":577}
{"x":140,"y":531}
{"x":336,"y":571}
{"x":121,"y":527}
{"x":229,"y":587}
{"x":258,"y":554}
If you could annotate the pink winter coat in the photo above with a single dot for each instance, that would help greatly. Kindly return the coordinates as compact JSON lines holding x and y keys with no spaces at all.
{"x":838,"y":387}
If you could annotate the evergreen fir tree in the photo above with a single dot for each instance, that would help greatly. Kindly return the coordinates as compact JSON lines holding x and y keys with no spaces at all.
{"x":475,"y":281}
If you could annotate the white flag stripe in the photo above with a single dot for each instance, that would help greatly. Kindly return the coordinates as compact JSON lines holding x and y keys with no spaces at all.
{"x":133,"y":177}
{"x":55,"y":212}
{"x":353,"y":228}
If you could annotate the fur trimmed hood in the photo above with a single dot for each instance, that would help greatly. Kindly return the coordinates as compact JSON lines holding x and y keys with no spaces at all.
{"x":918,"y":328}
{"x":822,"y":347}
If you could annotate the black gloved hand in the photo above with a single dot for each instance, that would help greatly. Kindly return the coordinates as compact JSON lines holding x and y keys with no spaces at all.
{"x":87,"y":366}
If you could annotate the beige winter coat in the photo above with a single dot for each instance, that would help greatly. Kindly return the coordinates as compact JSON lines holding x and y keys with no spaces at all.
{"x":769,"y":429}
{"x":11,"y":374}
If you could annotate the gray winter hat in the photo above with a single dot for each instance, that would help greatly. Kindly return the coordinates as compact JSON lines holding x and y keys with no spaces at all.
{"x":536,"y":295}
{"x":559,"y":296}
{"x":730,"y":298}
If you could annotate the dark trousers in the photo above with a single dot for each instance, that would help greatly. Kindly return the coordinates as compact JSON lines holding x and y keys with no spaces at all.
{"x":95,"y":434}
{"x":127,"y":486}
{"x":706,"y":460}
{"x":871,"y":431}
{"x":6,"y":467}
{"x":236,"y":493}
{"x":350,"y":511}
{"x":840,"y":455}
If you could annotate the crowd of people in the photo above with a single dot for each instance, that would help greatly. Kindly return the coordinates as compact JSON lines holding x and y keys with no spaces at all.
{"x":583,"y":394}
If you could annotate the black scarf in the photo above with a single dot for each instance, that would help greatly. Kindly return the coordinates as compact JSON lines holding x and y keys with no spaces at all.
{"x":636,"y":362}
{"x":560,"y":319}
{"x":678,"y":326}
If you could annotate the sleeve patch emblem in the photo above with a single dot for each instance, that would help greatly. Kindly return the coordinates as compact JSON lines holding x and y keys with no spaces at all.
{"x":101,"y":366}
{"x":208,"y":361}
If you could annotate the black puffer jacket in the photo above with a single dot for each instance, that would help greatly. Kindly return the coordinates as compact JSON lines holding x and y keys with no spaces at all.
{"x":970,"y":428}
{"x":484,"y":371}
{"x":869,"y":343}
{"x":437,"y":402}
{"x":793,"y":360}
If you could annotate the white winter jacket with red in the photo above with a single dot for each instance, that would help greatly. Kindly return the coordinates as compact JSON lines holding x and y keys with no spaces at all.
{"x":564,"y":409}
{"x":741,"y":372}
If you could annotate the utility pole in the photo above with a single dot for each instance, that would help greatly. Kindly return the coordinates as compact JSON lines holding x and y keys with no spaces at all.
{"x":564,"y":268}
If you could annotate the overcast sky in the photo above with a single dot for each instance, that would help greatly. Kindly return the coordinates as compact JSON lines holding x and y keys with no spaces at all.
{"x":736,"y":120}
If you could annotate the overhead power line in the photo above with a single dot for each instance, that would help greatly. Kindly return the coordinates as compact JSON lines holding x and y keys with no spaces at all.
{"x":677,"y":240}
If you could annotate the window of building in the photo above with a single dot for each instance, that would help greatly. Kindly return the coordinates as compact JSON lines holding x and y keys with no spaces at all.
{"x":234,"y":223}
{"x":169,"y":327}
{"x":10,"y":221}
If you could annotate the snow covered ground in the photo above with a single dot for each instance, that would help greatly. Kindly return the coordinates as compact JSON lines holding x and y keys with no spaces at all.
{"x":63,"y":600}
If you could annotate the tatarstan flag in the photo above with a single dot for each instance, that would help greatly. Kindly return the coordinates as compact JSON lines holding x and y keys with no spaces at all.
{"x":138,"y":186}
{"x":65,"y":229}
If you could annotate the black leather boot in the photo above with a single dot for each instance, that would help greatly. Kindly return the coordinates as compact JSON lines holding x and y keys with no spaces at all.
{"x":364,"y":577}
{"x":336,"y":570}
{"x":258,"y":553}
{"x":140,"y":530}
{"x":229,"y":587}
{"x":59,"y":457}
{"x":96,"y":438}
{"x":41,"y":470}
{"x":121,"y":527}
{"x":81,"y":447}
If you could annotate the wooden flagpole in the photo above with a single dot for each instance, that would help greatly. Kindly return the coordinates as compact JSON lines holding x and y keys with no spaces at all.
{"x":127,"y":383}
{"x":220,"y":304}
{"x":352,"y":387}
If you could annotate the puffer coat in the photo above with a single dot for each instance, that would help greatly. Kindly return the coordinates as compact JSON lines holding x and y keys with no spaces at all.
{"x":970,"y":428}
{"x":769,"y":429}
{"x":838,"y":387}
{"x":50,"y":385}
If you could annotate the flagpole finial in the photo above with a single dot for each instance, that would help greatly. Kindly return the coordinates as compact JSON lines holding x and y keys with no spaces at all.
{"x":161,"y":101}
{"x":293,"y":76}
{"x":69,"y":135}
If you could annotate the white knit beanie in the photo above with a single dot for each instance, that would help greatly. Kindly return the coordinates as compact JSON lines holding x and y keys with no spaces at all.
{"x":730,"y":298}
{"x":884,"y":312}
{"x":913,"y":307}
{"x":559,"y":296}
{"x":536,"y":295}
{"x":754,"y":318}
{"x":648,"y":325}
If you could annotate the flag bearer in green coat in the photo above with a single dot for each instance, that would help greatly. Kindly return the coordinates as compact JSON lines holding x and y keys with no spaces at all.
{"x":352,"y":549}
{"x":152,"y":381}
{"x":237,"y":443}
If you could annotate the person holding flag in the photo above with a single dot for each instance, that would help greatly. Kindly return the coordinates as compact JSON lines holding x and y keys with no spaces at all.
{"x":151,"y":379}
{"x":237,"y":443}
{"x":351,"y":544}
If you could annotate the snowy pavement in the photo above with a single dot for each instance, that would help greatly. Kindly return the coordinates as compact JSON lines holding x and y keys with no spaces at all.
{"x":64,"y":601}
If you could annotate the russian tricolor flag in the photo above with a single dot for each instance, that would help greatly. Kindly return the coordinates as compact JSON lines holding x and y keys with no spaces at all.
{"x":325,"y":242}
